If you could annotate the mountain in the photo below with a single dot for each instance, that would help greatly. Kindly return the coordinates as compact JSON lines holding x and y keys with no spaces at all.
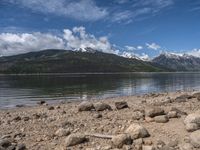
{"x":67,"y":61}
{"x":177,"y":62}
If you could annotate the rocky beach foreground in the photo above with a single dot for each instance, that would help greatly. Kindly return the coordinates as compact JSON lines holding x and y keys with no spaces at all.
{"x":161,"y":121}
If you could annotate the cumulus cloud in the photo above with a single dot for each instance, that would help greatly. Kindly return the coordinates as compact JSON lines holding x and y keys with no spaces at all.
{"x":153,"y":46}
{"x":78,"y":38}
{"x":194,"y":52}
{"x":85,"y":10}
{"x":11,"y":44}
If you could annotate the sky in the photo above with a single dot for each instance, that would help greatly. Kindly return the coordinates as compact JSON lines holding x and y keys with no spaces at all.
{"x":144,"y":28}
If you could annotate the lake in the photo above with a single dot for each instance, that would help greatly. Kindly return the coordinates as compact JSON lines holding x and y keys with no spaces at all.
{"x":28,"y":89}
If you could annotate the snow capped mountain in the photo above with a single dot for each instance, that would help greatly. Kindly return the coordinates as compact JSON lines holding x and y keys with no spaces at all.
{"x":178,"y":62}
{"x":87,"y":49}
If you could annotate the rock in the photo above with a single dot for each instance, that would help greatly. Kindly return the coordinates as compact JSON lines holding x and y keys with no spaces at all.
{"x":5,"y":143}
{"x":85,"y":106}
{"x":186,"y":146}
{"x":196,"y":95}
{"x":161,"y":119}
{"x":195,"y":139}
{"x":99,"y":106}
{"x":98,"y":115}
{"x":148,"y":147}
{"x":75,"y":139}
{"x":138,"y":141}
{"x":137,"y":115}
{"x":20,"y":105}
{"x":26,"y":118}
{"x":21,"y":147}
{"x":166,"y":147}
{"x":62,"y":132}
{"x":149,"y":119}
{"x":121,"y":105}
{"x":173,"y":143}
{"x":192,"y":122}
{"x":121,"y":139}
{"x":179,"y":112}
{"x":137,"y":131}
{"x":50,"y":108}
{"x":160,"y":144}
{"x":183,"y":98}
{"x":41,"y":102}
{"x":154,"y":112}
{"x":172,"y":114}
{"x":16,"y":119}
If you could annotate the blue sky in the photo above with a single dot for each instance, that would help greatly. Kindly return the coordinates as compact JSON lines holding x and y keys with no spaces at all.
{"x":141,"y":27}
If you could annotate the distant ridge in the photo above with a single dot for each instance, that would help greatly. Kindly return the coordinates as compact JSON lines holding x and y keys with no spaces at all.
{"x":68,"y":61}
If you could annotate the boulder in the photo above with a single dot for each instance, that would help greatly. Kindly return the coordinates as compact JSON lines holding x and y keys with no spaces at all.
{"x":5,"y":143}
{"x":137,"y":131}
{"x":195,"y":139}
{"x":192,"y":122}
{"x":161,"y":119}
{"x":152,"y":112}
{"x":100,"y":106}
{"x":62,"y":132}
{"x":85,"y":106}
{"x":122,"y":139}
{"x":183,"y":98}
{"x":121,"y":105}
{"x":21,"y":147}
{"x":75,"y":139}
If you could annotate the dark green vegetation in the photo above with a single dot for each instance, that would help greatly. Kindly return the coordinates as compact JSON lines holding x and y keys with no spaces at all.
{"x":66,"y":61}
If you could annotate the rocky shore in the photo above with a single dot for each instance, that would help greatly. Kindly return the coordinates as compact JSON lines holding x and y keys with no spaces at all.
{"x":156,"y":121}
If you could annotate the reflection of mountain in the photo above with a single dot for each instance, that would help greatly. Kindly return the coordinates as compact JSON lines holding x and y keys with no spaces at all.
{"x":66,"y":61}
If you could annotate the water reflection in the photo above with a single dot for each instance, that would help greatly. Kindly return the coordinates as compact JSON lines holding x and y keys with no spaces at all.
{"x":30,"y":88}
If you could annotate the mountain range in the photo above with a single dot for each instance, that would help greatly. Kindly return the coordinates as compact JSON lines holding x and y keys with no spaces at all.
{"x":90,"y":60}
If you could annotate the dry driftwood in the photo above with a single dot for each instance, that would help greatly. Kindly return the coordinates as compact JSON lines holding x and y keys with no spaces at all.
{"x":104,"y":136}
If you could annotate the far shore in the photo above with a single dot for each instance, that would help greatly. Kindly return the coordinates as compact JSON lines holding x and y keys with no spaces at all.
{"x":103,"y":123}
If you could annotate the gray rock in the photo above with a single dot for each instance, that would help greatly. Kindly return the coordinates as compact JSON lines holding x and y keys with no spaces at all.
{"x":195,"y":139}
{"x":154,"y":112}
{"x":75,"y":139}
{"x":137,"y":131}
{"x":121,"y":139}
{"x":186,"y":146}
{"x":5,"y":143}
{"x":98,"y":115}
{"x":85,"y":106}
{"x":161,"y":119}
{"x":121,"y":105}
{"x":62,"y":132}
{"x":100,"y":106}
{"x":192,"y":122}
{"x":41,"y":102}
{"x":178,"y":111}
{"x":50,"y":108}
{"x":21,"y":147}
{"x":183,"y":98}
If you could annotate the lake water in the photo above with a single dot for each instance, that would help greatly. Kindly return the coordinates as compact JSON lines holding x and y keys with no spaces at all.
{"x":27,"y":89}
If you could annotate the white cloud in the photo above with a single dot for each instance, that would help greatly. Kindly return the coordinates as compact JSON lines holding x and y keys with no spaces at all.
{"x":78,"y":38}
{"x":194,"y":52}
{"x":153,"y":46}
{"x":85,"y":10}
{"x":130,"y":48}
{"x":139,"y":47}
{"x":11,"y":44}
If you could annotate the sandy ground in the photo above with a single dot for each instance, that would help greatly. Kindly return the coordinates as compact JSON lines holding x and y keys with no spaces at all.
{"x":36,"y":126}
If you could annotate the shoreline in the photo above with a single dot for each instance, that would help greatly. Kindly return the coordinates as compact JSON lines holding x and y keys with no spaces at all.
{"x":50,"y":126}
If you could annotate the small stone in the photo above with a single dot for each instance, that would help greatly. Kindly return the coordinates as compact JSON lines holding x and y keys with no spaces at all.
{"x":186,"y":146}
{"x":20,"y":105}
{"x":26,"y":118}
{"x":50,"y":108}
{"x":62,"y":132}
{"x":137,"y":131}
{"x":75,"y":139}
{"x":148,"y":147}
{"x":148,"y":142}
{"x":121,"y":105}
{"x":41,"y":102}
{"x":161,"y":119}
{"x":172,"y":114}
{"x":121,"y":139}
{"x":21,"y":147}
{"x":16,"y":119}
{"x":98,"y":115}
{"x":154,"y":112}
{"x":195,"y":138}
{"x":173,"y":143}
{"x":137,"y":115}
{"x":99,"y":106}
{"x":85,"y":106}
